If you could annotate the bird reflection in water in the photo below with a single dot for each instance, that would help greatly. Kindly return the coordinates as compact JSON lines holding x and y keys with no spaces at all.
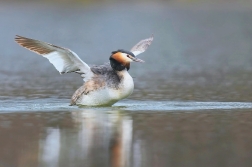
{"x":98,"y":139}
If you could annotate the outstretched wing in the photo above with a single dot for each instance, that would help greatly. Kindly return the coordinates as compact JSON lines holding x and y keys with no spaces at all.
{"x":63,"y":59}
{"x":141,"y":46}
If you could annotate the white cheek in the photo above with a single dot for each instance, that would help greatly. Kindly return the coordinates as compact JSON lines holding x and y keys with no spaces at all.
{"x":126,"y":59}
{"x":129,"y":60}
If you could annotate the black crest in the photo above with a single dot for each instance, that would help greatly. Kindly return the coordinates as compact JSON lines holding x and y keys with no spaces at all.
{"x":124,"y":51}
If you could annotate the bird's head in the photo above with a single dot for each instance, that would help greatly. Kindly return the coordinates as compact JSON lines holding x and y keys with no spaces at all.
{"x":120,"y":59}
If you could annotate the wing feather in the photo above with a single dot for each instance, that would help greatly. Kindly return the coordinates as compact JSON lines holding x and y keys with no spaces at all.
{"x":141,"y":46}
{"x":63,"y":59}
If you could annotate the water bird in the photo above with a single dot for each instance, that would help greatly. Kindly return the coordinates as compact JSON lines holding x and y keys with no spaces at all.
{"x":104,"y":84}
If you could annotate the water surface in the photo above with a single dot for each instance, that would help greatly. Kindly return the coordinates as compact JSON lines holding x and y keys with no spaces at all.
{"x":192,"y":101}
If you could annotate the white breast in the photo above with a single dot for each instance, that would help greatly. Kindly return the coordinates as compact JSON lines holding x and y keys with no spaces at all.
{"x":107,"y":95}
{"x":126,"y":86}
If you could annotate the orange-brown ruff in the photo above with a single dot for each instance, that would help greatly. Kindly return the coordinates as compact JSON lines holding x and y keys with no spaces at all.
{"x":103,"y":85}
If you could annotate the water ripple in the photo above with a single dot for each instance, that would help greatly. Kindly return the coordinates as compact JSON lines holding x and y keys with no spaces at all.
{"x":126,"y":105}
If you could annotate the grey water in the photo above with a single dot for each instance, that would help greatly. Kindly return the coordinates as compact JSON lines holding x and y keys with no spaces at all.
{"x":192,"y":102}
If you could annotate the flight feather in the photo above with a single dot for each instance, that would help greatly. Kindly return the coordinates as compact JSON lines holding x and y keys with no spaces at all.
{"x":141,"y":46}
{"x":63,"y":59}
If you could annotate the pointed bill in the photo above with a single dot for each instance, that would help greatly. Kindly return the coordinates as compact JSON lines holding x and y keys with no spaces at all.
{"x":137,"y":60}
{"x":141,"y":46}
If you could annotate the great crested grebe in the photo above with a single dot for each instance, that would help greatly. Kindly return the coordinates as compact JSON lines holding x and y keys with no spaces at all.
{"x":104,"y":84}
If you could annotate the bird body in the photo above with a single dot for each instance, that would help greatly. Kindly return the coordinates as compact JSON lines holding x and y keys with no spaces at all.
{"x":104,"y":84}
{"x":99,"y":92}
